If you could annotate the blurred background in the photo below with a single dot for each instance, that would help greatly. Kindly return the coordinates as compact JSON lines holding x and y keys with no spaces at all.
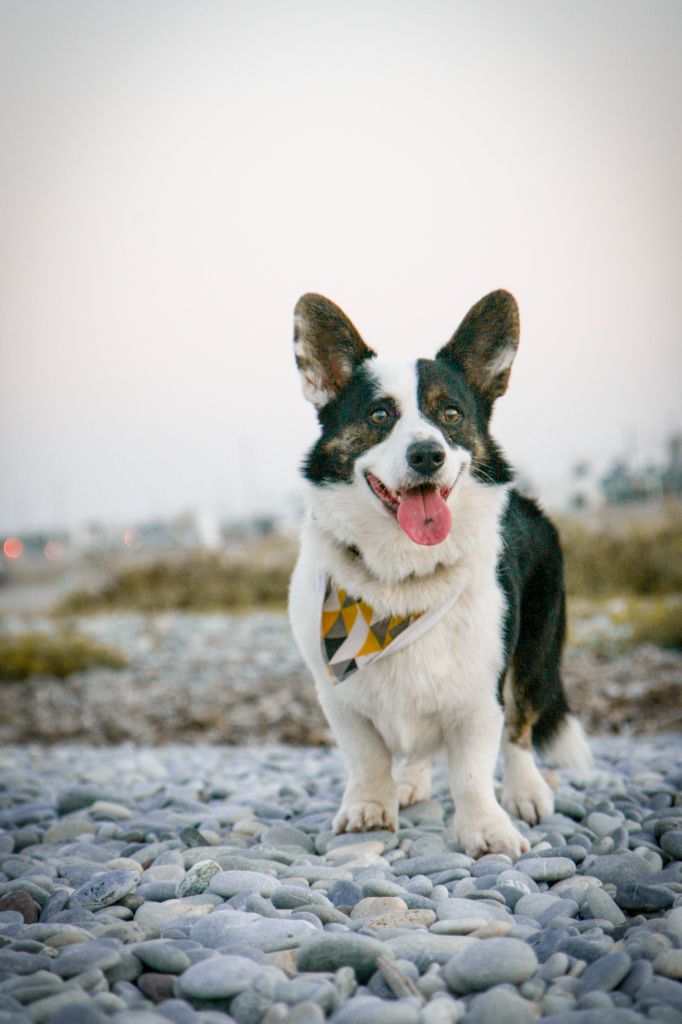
{"x":174,"y":175}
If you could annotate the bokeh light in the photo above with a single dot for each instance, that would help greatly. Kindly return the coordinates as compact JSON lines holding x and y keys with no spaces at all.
{"x":13,"y":548}
{"x":53,"y":550}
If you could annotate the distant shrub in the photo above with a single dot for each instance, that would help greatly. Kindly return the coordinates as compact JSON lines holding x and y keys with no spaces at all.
{"x":29,"y":654}
{"x":642,"y":558}
{"x":199,"y":583}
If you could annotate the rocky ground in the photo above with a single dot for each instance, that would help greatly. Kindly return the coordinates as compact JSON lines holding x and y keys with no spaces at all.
{"x":203,"y":884}
{"x":234,"y":678}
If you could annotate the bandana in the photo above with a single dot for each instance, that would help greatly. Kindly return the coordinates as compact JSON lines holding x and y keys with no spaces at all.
{"x":354,"y":635}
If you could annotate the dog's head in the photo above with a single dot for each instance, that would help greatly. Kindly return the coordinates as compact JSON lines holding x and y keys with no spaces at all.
{"x":401,"y":437}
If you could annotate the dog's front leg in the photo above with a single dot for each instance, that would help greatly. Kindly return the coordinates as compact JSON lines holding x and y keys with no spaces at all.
{"x":480,"y":823}
{"x":370,"y":799}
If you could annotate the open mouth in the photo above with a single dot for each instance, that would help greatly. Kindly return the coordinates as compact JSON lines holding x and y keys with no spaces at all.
{"x":421,"y":511}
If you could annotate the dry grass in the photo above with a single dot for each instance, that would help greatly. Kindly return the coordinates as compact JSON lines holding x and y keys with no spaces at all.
{"x":639,"y":557}
{"x":29,"y":654}
{"x":197,"y":583}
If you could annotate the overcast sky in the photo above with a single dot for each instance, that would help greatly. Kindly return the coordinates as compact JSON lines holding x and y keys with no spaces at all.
{"x":175,"y":174}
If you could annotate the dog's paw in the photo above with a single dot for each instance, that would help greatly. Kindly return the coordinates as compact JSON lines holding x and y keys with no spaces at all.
{"x":414,"y":785}
{"x":530,"y":801}
{"x":490,"y":833}
{"x":363,"y":816}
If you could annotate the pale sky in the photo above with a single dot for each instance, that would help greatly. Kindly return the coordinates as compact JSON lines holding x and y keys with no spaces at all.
{"x":173,"y":175}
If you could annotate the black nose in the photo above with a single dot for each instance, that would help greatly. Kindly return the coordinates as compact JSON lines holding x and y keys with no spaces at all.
{"x":425,"y":457}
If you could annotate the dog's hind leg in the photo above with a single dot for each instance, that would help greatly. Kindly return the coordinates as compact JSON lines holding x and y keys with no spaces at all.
{"x":370,"y":799}
{"x":414,"y":782}
{"x":525,"y":794}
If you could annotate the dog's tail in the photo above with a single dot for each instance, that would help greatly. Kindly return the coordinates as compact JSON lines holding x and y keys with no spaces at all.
{"x":568,"y":747}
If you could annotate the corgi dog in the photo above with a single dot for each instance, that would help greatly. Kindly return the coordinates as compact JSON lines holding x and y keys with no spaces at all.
{"x":428,"y":597}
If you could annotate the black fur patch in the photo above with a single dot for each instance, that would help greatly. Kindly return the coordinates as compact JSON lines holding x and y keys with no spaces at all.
{"x":530,"y":573}
{"x":442,"y":385}
{"x":348,"y":430}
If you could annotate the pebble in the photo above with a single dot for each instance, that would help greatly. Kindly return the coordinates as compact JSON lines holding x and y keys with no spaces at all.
{"x":104,"y":890}
{"x":216,"y":871}
{"x":218,"y":977}
{"x":500,"y":1004}
{"x":490,"y":962}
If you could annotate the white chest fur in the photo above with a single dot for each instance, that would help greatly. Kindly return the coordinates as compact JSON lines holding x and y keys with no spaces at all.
{"x":416,"y":696}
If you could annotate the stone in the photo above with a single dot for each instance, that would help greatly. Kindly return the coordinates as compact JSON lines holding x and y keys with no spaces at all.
{"x":638,"y":896}
{"x":74,"y":960}
{"x":500,"y":1004}
{"x":619,"y":868}
{"x":669,"y":964}
{"x":433,"y":863}
{"x":604,"y":974}
{"x":671,"y":843}
{"x":601,"y":905}
{"x":371,"y":1010}
{"x":327,"y":952}
{"x":344,"y":893}
{"x":20,"y":901}
{"x":152,"y":917}
{"x":229,"y":883}
{"x":219,"y":977}
{"x":547,"y":869}
{"x":377,"y":906}
{"x":104,"y":890}
{"x":156,"y":987}
{"x":162,"y":955}
{"x":269,"y":934}
{"x":488,"y":963}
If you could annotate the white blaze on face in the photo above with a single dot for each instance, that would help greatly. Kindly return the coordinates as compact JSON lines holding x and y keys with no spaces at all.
{"x":421,"y":515}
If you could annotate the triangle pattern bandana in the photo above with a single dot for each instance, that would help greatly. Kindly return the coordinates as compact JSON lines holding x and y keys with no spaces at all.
{"x":353,"y":635}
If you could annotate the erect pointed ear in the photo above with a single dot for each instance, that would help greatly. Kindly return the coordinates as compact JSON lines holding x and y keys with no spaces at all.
{"x":327,"y":347}
{"x":485,"y":343}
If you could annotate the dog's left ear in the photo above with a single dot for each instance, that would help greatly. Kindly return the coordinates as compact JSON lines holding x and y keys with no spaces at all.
{"x":485,"y":343}
{"x":327,"y":347}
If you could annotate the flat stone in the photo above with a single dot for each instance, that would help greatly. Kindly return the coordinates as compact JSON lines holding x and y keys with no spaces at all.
{"x":104,"y":890}
{"x":464,"y":909}
{"x":402,"y":919}
{"x":547,"y":869}
{"x":287,"y":835}
{"x":376,"y":906}
{"x":500,"y":1004}
{"x":639,"y":896}
{"x":371,"y":1010}
{"x":604,"y":974}
{"x":68,"y":828}
{"x":618,"y":868}
{"x":425,"y":948}
{"x":21,"y":902}
{"x":151,"y":917}
{"x":162,"y":955}
{"x":99,"y":953}
{"x":433,"y":863}
{"x":669,"y":964}
{"x":327,"y":952}
{"x":219,"y":977}
{"x":110,"y":810}
{"x":344,"y":893}
{"x":490,"y":962}
{"x":156,"y":987}
{"x":603,"y":824}
{"x":671,"y":843}
{"x":269,"y":934}
{"x":229,"y":883}
{"x":601,"y":905}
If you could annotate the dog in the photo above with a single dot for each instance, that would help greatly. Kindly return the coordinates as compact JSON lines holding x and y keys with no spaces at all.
{"x":428,"y":600}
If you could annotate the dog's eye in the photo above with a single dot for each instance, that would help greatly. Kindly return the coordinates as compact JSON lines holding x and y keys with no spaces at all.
{"x":379,"y":416}
{"x":450,"y":415}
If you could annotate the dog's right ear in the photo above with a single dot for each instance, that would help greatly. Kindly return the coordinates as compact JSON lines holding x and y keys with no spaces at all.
{"x":327,"y":348}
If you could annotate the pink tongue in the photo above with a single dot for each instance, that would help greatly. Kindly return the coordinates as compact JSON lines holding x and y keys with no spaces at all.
{"x":424,"y":517}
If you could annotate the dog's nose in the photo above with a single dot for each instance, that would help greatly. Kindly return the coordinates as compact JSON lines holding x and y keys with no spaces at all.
{"x":425,"y":457}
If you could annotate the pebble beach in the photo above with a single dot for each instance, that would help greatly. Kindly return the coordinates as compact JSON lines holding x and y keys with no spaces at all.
{"x":204,"y":884}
